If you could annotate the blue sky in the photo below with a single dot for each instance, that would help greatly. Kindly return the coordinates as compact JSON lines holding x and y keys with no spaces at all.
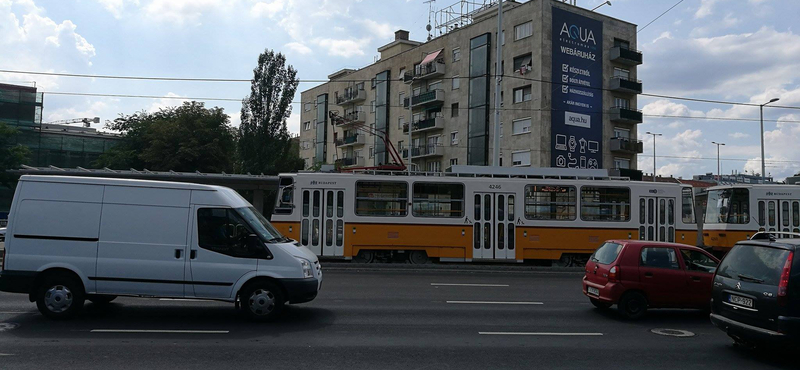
{"x":733,"y":50}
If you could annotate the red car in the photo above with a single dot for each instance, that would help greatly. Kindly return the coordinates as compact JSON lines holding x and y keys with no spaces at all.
{"x":637,"y":275}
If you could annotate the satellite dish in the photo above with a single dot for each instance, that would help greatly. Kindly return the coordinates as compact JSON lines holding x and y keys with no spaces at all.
{"x":428,"y":27}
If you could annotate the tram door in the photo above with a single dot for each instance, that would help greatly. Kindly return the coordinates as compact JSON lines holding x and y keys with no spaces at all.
{"x":322,"y":228}
{"x":657,"y":219}
{"x":493,"y":228}
{"x":782,"y":215}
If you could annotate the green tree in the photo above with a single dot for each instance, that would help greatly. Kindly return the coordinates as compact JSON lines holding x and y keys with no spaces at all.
{"x":264,"y":141}
{"x":187,"y":138}
{"x":12,"y":156}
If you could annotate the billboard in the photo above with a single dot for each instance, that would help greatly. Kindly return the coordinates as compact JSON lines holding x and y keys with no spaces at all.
{"x":577,"y":95}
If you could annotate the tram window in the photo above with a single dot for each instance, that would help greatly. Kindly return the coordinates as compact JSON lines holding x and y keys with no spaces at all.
{"x":687,"y":206}
{"x":761,"y":213}
{"x":285,"y":201}
{"x":662,"y":233}
{"x":340,"y":204}
{"x":315,"y":233}
{"x":651,"y":211}
{"x":511,"y":209}
{"x":662,"y":213}
{"x":487,"y":207}
{"x":785,"y":213}
{"x":501,"y":203}
{"x":796,"y":214}
{"x":511,"y":236}
{"x":650,"y":230}
{"x":381,"y":198}
{"x":550,"y":202}
{"x":641,"y":233}
{"x":671,"y":234}
{"x":304,"y":232}
{"x":501,"y":231}
{"x":477,"y":207}
{"x":316,"y":204}
{"x":329,"y":233}
{"x":476,"y":238}
{"x":771,"y":211}
{"x":642,"y":211}
{"x":305,"y":203}
{"x":728,"y":206}
{"x":605,"y":204}
{"x":487,"y":236}
{"x":438,"y":200}
{"x":339,"y":233}
{"x":671,"y":212}
{"x":329,"y":204}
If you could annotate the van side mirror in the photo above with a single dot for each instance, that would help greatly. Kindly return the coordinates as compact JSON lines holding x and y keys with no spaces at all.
{"x":253,"y":242}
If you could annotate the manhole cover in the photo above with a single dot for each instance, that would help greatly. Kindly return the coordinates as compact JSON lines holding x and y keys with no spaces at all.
{"x":673,"y":333}
{"x":6,"y":326}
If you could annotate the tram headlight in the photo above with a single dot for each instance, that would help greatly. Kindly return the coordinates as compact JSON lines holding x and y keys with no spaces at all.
{"x":307,"y":273}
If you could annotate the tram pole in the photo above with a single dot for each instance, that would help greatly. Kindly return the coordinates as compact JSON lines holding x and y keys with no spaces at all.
{"x":654,"y":153}
{"x":498,"y":87}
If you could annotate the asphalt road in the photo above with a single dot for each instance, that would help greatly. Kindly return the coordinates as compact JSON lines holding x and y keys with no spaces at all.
{"x":379,"y":319}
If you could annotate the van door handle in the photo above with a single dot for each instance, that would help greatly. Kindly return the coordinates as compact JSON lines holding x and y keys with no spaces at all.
{"x":648,"y":274}
{"x":178,"y":253}
{"x":193,"y":254}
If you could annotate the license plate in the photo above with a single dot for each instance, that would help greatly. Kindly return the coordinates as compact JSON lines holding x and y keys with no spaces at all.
{"x":741,"y":301}
{"x":593,"y":291}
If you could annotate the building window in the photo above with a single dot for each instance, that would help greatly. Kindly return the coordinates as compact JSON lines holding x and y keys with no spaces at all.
{"x":622,"y":73}
{"x":401,"y":122}
{"x":453,"y":162}
{"x":454,"y":138}
{"x":523,"y":30}
{"x":503,"y":37}
{"x":501,"y":133}
{"x":433,"y":86}
{"x":521,"y":126}
{"x":381,"y":198}
{"x":435,"y":166}
{"x":521,"y":158}
{"x":373,"y":82}
{"x":402,"y":99}
{"x":306,"y":125}
{"x":605,"y":204}
{"x":622,"y":163}
{"x":372,"y":106}
{"x":622,"y":103}
{"x":456,"y":54}
{"x":522,"y":63}
{"x":456,"y":83}
{"x":622,"y":43}
{"x":402,"y":73}
{"x":550,"y":202}
{"x":371,"y":152}
{"x":438,"y":199}
{"x":622,"y":133}
{"x":307,"y":107}
{"x":522,"y":94}
{"x":454,"y":110}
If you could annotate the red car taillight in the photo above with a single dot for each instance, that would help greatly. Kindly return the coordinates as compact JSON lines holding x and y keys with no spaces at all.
{"x":613,"y":274}
{"x":784,"y":283}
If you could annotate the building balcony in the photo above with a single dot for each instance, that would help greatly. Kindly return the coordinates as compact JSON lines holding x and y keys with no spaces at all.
{"x":625,"y":56}
{"x":429,"y":70}
{"x":625,"y":115}
{"x":351,"y":162}
{"x":351,"y":97}
{"x":430,"y":124}
{"x":424,"y":151}
{"x":428,"y":98}
{"x":626,"y":146}
{"x":354,"y":118}
{"x":352,"y":140}
{"x":625,"y":85}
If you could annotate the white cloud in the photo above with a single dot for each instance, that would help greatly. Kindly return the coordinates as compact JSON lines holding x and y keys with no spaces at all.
{"x":345,"y":48}
{"x":739,"y":135}
{"x":664,"y":35}
{"x":166,"y":102}
{"x":663,"y":107}
{"x":117,"y":7}
{"x":181,"y":12}
{"x":268,"y":9}
{"x":379,"y":30}
{"x":298,"y":48}
{"x":705,"y":9}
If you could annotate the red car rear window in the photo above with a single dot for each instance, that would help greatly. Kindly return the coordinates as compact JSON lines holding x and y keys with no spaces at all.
{"x":607,"y":253}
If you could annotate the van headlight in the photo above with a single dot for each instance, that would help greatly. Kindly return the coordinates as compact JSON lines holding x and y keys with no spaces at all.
{"x":307,"y":273}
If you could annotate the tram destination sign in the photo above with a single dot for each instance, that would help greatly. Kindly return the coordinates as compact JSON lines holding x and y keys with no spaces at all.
{"x":576,"y":91}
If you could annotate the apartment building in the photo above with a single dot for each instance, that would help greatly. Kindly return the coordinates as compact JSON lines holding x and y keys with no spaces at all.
{"x":569,"y":95}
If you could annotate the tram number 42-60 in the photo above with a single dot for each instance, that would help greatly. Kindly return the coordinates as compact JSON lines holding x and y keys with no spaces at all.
{"x":495,"y":187}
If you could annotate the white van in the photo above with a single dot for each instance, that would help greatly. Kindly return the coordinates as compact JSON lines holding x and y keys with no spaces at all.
{"x":70,"y":239}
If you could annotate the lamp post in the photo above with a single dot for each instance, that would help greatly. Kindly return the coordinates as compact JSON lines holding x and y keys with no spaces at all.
{"x":654,"y":153}
{"x":719,"y":174}
{"x":498,"y":86}
{"x":605,"y":3}
{"x":763,"y":165}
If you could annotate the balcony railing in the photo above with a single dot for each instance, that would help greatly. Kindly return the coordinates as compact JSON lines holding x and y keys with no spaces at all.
{"x":430,"y":97}
{"x":625,"y":145}
{"x":351,"y":162}
{"x":625,"y":115}
{"x":626,"y":85}
{"x":429,"y":150}
{"x":436,"y":123}
{"x":351,"y":96}
{"x":355,"y":117}
{"x":351,"y":140}
{"x":626,"y":56}
{"x":429,"y":70}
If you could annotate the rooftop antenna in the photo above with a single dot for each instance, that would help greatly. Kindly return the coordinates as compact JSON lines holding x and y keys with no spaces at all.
{"x":429,"y":27}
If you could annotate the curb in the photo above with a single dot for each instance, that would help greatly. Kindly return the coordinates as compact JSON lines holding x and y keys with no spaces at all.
{"x":449,"y":267}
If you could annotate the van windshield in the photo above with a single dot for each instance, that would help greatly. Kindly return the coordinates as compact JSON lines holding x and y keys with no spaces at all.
{"x":260,"y":225}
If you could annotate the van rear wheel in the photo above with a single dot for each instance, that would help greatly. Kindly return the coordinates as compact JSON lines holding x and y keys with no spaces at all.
{"x":60,"y":296}
{"x":262,"y":301}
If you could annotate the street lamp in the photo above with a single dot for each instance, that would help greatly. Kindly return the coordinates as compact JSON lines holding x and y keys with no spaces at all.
{"x":719,"y":174}
{"x":605,"y":3}
{"x":654,"y":153}
{"x":763,"y":165}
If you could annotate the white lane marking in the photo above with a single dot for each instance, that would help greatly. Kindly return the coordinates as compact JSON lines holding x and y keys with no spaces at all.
{"x":183,"y":299}
{"x":542,"y":334}
{"x":13,"y":312}
{"x":159,"y":331}
{"x":475,"y":285}
{"x":6,"y":354}
{"x":490,"y":302}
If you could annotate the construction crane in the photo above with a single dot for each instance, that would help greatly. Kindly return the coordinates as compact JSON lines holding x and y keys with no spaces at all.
{"x":85,"y":121}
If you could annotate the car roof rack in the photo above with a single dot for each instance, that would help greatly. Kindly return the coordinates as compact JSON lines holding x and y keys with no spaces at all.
{"x":771,"y":235}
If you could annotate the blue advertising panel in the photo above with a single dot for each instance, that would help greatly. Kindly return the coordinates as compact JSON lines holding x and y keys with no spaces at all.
{"x":577,"y":95}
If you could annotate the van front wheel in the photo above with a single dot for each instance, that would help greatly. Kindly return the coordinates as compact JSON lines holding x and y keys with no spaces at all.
{"x":262,"y":301}
{"x":60,"y":297}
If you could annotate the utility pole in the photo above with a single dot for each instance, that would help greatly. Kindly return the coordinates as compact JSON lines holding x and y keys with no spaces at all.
{"x":719,"y":174}
{"x":498,"y":87}
{"x":763,"y":165}
{"x":654,"y":153}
